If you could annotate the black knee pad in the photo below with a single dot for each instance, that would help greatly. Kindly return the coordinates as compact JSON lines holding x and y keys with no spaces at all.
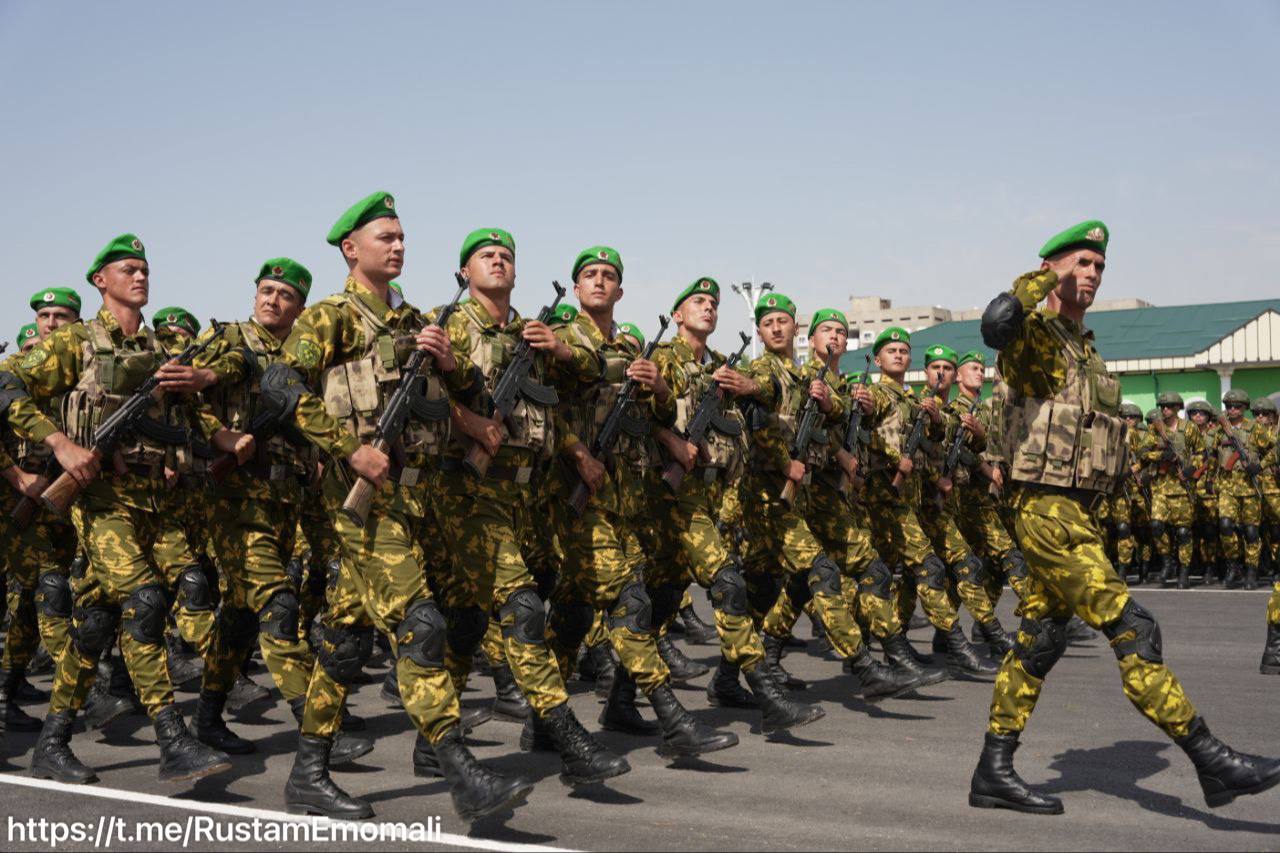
{"x":1048,"y":642}
{"x":420,"y":636}
{"x":729,"y":590}
{"x":194,"y":595}
{"x":1157,"y":528}
{"x":665,"y":601}
{"x":572,"y":621}
{"x":528,"y":618}
{"x":1252,"y":533}
{"x":824,"y":576}
{"x":970,"y":569}
{"x":144,"y":614}
{"x":53,"y":595}
{"x":1123,"y":530}
{"x":633,"y":610}
{"x":237,"y":628}
{"x":798,"y":589}
{"x":878,"y":578}
{"x":466,"y":627}
{"x":1227,"y":526}
{"x":293,"y":571}
{"x":278,"y":618}
{"x":343,"y":652}
{"x":935,"y":572}
{"x":1136,"y":632}
{"x":94,"y":631}
{"x":1015,"y":565}
{"x":762,"y":591}
{"x":1184,"y":535}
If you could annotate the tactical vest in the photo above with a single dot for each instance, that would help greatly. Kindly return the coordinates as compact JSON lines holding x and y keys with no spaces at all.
{"x":785,"y":421}
{"x":235,"y":406}
{"x":891,"y":431}
{"x":530,"y":427}
{"x":1177,"y":438}
{"x":356,"y":392}
{"x":1226,"y":453}
{"x":938,"y":454}
{"x":1075,"y":439}
{"x":724,"y":445}
{"x":587,"y":412}
{"x":107,"y":377}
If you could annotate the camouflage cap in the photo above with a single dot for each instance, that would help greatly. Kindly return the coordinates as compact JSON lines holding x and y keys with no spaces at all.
{"x":891,"y":335}
{"x":828,"y":315}
{"x":597,"y":255}
{"x":706,"y":285}
{"x":1236,"y":396}
{"x":379,"y":205}
{"x":482,"y":237}
{"x":56,"y":297}
{"x":1264,"y":405}
{"x":774,"y":303}
{"x":124,"y":246}
{"x":1130,"y":410}
{"x":1092,"y":234}
{"x":633,"y":330}
{"x":1170,"y":398}
{"x":179,"y":318}
{"x":287,"y":271}
{"x":973,"y":355}
{"x":940,"y":352}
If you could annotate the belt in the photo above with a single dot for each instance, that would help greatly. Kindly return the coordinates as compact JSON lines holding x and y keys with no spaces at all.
{"x":520,"y":476}
{"x":264,"y":471}
{"x":1090,"y":499}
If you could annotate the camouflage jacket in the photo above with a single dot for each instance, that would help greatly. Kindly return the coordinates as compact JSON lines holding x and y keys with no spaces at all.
{"x":1187,"y":443}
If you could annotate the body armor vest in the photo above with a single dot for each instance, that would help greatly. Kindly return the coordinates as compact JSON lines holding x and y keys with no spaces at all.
{"x":587,"y":412}
{"x":724,"y":445}
{"x":892,"y":429}
{"x":1075,"y":439}
{"x":785,"y":420}
{"x":1226,"y":453}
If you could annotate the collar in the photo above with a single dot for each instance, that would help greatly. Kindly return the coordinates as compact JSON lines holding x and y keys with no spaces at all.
{"x":385,"y":310}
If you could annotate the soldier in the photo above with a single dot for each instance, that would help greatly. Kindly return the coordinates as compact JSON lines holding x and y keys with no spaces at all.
{"x":1121,"y":503}
{"x":28,"y":336}
{"x":1208,"y":552}
{"x":96,"y":365}
{"x":1066,"y":448}
{"x":1174,"y":458}
{"x":353,"y":348}
{"x":777,"y":532}
{"x":682,"y":535}
{"x":1264,"y":411}
{"x":603,"y":562}
{"x":893,"y":492}
{"x":1239,"y":494}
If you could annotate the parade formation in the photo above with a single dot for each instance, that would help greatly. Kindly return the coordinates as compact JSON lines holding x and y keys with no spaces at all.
{"x":464,"y":489}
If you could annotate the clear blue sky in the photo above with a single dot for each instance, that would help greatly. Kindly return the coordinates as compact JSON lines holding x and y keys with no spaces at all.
{"x":921,"y":151}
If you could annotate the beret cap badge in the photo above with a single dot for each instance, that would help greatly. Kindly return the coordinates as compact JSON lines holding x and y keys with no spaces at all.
{"x":894,"y":336}
{"x":137,"y":244}
{"x":602,"y":255}
{"x":277,"y":270}
{"x":1096,"y":234}
{"x":48,"y":296}
{"x":389,"y":202}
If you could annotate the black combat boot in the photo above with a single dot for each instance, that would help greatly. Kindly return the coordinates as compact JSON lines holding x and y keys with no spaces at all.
{"x":585,"y":760}
{"x":470,"y":719}
{"x":779,"y":712}
{"x":1271,"y":652}
{"x":184,"y":668}
{"x":596,"y":663}
{"x":1224,"y":773}
{"x":209,"y":728}
{"x":1234,"y":575}
{"x":41,"y":662}
{"x":1184,"y":575}
{"x":311,"y":791}
{"x":534,"y":736}
{"x":1251,"y":577}
{"x":877,"y":680}
{"x":993,"y":634}
{"x":27,"y":693}
{"x":1168,"y":569}
{"x":696,"y":631}
{"x":476,"y":790}
{"x":682,"y":735}
{"x":509,"y":702}
{"x":996,"y":785}
{"x":245,"y":692}
{"x":724,"y":691}
{"x":682,"y":669}
{"x":897,"y":650}
{"x":13,"y":718}
{"x":773,"y":663}
{"x":390,"y":690}
{"x":102,"y":705}
{"x":53,"y":758}
{"x":962,"y":658}
{"x":620,"y":713}
{"x":344,"y":747}
{"x":1078,"y":632}
{"x":182,"y":757}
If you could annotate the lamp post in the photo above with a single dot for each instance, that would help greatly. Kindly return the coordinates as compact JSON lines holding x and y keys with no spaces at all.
{"x":751,"y":293}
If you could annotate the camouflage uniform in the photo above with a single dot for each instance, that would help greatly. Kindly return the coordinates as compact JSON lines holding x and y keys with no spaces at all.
{"x":1208,"y":540}
{"x":1063,"y":399}
{"x":1239,"y":508}
{"x":1172,"y":496}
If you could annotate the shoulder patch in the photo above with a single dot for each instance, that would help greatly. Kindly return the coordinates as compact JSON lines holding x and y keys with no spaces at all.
{"x":308,"y":353}
{"x":34,"y":358}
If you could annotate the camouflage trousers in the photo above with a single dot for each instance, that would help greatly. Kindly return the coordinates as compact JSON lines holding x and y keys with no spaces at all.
{"x":1172,"y":507}
{"x":318,"y":572}
{"x":900,"y":539}
{"x":118,"y":541}
{"x":1240,"y":504}
{"x":38,"y":563}
{"x":381,"y":575}
{"x":982,"y":527}
{"x":966,"y":581}
{"x":683,"y":542}
{"x":253,"y":540}
{"x":602,"y":572}
{"x":483,"y":525}
{"x":1070,"y":575}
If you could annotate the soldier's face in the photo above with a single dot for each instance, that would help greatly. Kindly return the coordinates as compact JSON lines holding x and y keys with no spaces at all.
{"x":943,"y":372}
{"x":376,"y":249}
{"x":894,"y":358}
{"x":491,"y":269}
{"x":1169,"y":413}
{"x":48,"y":319}
{"x":597,"y":287}
{"x":1080,"y":286}
{"x":126,"y":282}
{"x":1132,"y":421}
{"x":1267,"y":418}
{"x":777,"y":329}
{"x":276,"y":305}
{"x":1199,"y":418}
{"x":829,"y":335}
{"x":971,"y":376}
{"x":1235,"y":411}
{"x":699,"y":313}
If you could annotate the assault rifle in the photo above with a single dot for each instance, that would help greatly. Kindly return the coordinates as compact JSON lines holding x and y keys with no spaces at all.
{"x":514,"y":380}
{"x":710,"y":409}
{"x":847,"y":453}
{"x":912,"y":444}
{"x":952,"y":460}
{"x":611,"y":429}
{"x":1242,"y":455}
{"x":405,"y":402}
{"x":1187,"y":472}
{"x":810,"y":417}
{"x":131,"y":417}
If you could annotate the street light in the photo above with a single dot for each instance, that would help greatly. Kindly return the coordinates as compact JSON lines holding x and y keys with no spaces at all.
{"x":751,"y":293}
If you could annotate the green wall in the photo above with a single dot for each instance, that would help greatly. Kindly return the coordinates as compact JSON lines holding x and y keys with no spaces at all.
{"x":1258,"y":381}
{"x":1142,"y":389}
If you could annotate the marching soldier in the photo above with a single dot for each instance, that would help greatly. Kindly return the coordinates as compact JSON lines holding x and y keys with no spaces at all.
{"x":1239,"y":495}
{"x":1066,"y":448}
{"x":1264,"y":411}
{"x":1206,"y":507}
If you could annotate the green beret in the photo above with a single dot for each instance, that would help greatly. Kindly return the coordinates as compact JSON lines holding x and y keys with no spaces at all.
{"x":26,"y":333}
{"x":891,"y":335}
{"x":124,"y":246}
{"x":770,"y":303}
{"x":1130,"y":410}
{"x":972,"y":355}
{"x":1169,"y":398}
{"x":1200,"y":406}
{"x":1235,"y":395}
{"x":705,"y":285}
{"x":289,"y":272}
{"x":564,"y":314}
{"x":597,"y":255}
{"x":56,"y":297}
{"x":371,"y":207}
{"x":482,"y":237}
{"x":179,"y":317}
{"x":1264,"y":404}
{"x":940,"y":352}
{"x":1087,"y":235}
{"x":828,"y":314}
{"x":633,"y":330}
